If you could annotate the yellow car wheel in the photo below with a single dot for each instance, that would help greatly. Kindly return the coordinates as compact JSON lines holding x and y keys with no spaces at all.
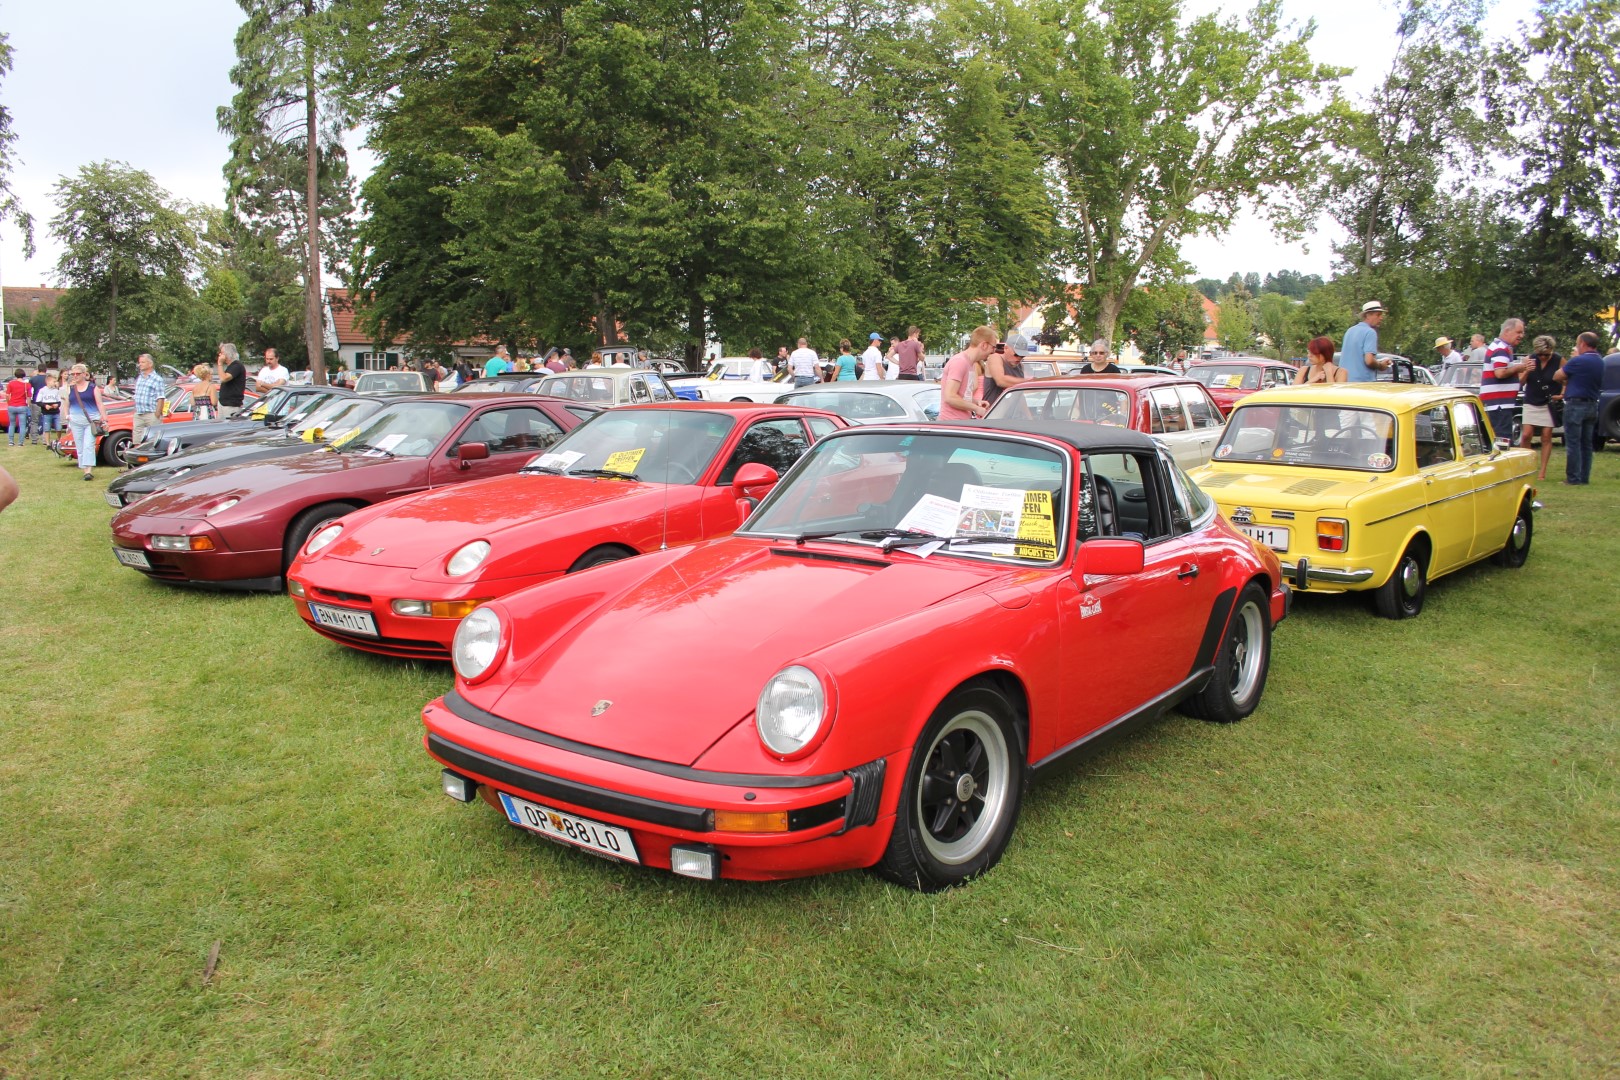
{"x":1401,"y":597}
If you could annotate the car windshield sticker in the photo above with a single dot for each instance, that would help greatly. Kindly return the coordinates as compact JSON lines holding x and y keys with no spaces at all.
{"x":563,"y":460}
{"x":345,"y":438}
{"x":1234,"y":382}
{"x":623,"y":461}
{"x":717,"y":372}
{"x":1035,"y":523}
{"x":1225,"y":451}
{"x":1378,"y":461}
{"x":1278,"y":452}
{"x":386,"y":444}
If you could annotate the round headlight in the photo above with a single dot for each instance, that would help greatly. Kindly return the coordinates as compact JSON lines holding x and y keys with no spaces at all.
{"x":477,"y":644}
{"x":322,"y":538}
{"x":468,"y":559}
{"x":791,"y":710}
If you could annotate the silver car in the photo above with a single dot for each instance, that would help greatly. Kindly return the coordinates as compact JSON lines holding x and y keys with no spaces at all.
{"x":870,"y":401}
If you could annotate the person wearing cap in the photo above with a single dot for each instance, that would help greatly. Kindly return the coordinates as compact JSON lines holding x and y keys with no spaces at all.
{"x":872,"y":359}
{"x":1358,"y":356}
{"x":1499,"y":378}
{"x":1448,"y":355}
{"x":1004,"y":368}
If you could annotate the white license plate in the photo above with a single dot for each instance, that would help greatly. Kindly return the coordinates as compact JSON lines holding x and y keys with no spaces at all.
{"x":569,"y":828}
{"x":136,"y":559}
{"x":114,"y":501}
{"x":1274,"y":538}
{"x":345,"y":619}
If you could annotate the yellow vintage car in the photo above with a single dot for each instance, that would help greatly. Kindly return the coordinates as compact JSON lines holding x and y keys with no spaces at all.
{"x":1372,"y":486}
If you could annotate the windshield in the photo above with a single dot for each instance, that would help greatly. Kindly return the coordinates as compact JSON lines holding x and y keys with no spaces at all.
{"x":971,"y":495}
{"x":276,"y":403}
{"x":853,"y":405}
{"x":666,"y":446}
{"x":1227,"y":376}
{"x":377,"y":381}
{"x":491,"y":386}
{"x":1460,"y":375}
{"x":1084,"y":404}
{"x":597,"y":388}
{"x":1313,"y":435}
{"x":335,"y":416}
{"x":408,"y":429}
{"x":304,"y":407}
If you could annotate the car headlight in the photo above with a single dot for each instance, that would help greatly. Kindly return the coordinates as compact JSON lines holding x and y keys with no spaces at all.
{"x":791,"y":710}
{"x":469,"y":558}
{"x":220,"y":507}
{"x":322,"y":538}
{"x":478,"y":644}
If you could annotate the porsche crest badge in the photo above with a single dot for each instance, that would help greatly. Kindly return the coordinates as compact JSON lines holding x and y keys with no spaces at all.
{"x":601,"y":707}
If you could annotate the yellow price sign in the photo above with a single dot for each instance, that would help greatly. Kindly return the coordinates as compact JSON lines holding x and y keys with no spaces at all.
{"x":1035,"y":523}
{"x":623,"y":461}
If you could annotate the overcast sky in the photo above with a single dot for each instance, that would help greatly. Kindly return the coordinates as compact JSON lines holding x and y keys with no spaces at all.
{"x":140,"y":83}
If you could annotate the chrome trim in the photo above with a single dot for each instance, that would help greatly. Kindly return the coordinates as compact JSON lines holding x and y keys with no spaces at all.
{"x":1327,"y":574}
{"x":1403,"y":513}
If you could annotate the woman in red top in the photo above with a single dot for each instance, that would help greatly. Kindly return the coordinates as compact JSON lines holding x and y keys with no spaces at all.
{"x":18,"y":391}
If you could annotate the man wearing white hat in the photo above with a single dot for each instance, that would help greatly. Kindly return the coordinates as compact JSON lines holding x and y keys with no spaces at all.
{"x":1359,"y":354}
{"x":1448,"y":355}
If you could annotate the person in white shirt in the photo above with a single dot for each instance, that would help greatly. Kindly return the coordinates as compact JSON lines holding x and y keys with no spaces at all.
{"x":804,"y":363}
{"x":872,"y":367}
{"x":272,"y":374}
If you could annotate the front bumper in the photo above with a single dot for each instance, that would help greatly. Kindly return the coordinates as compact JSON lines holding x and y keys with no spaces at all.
{"x":224,"y":566}
{"x":834,"y":821}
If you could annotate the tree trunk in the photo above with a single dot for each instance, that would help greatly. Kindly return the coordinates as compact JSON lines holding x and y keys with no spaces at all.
{"x":314,"y":325}
{"x":697,"y":331}
{"x":1109,"y":305}
{"x":112,"y":322}
{"x":607,"y":322}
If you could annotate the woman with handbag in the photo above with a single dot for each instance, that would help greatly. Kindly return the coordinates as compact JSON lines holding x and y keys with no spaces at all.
{"x":85,"y":410}
{"x":1541,"y":394}
{"x":49,"y":400}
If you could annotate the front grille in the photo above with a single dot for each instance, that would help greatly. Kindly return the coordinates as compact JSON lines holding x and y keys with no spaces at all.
{"x":405,"y":648}
{"x":333,"y":594}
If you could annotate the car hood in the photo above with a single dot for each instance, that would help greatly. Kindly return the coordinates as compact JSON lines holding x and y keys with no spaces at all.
{"x":207,"y":458}
{"x":189,"y":497}
{"x":683,"y":649}
{"x":1284,"y":487}
{"x":412,"y":531}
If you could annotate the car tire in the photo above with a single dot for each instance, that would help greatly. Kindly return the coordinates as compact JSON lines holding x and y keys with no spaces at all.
{"x":961,"y":795}
{"x":1517,"y":549}
{"x":1401,"y":597}
{"x":305,"y":524}
{"x":599,"y":556}
{"x":1241,"y":665}
{"x":112,"y":446}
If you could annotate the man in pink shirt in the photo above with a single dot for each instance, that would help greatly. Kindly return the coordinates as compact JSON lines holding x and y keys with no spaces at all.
{"x":962,"y":382}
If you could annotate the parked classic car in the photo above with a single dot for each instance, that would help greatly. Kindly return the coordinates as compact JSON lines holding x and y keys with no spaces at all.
{"x":607,"y":386}
{"x":1234,"y":378}
{"x":397,"y":577}
{"x":869,"y":401}
{"x":391,"y":382}
{"x":280,"y":405}
{"x":174,"y":407}
{"x":1173,"y":409}
{"x":241,"y":525}
{"x":1009,"y":558}
{"x":1373,"y":486}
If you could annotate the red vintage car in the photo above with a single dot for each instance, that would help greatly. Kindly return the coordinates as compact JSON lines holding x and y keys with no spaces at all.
{"x":911,"y":625}
{"x":241,"y":525}
{"x":1231,"y":380}
{"x":120,"y":422}
{"x":397,"y":578}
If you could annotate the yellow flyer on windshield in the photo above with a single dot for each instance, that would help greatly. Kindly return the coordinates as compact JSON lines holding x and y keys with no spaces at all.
{"x":1035,"y":523}
{"x":623,"y":461}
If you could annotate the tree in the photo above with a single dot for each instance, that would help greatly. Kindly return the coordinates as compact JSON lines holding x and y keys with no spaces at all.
{"x":10,"y":208}
{"x":1275,"y":314}
{"x":39,"y":334}
{"x":1164,"y":320}
{"x":1162,"y":127}
{"x":1234,"y":325}
{"x":286,"y":123}
{"x":128,"y":252}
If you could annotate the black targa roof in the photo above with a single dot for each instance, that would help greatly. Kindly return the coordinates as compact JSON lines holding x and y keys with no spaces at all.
{"x":1083,"y":437}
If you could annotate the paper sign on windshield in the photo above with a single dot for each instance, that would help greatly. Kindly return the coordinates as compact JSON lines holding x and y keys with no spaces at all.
{"x":623,"y":461}
{"x":1035,"y":523}
{"x":562,"y":460}
{"x":933,"y":514}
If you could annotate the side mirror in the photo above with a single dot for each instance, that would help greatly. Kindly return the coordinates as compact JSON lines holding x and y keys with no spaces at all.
{"x":467,"y":453}
{"x":1109,"y":556}
{"x":749,"y":484}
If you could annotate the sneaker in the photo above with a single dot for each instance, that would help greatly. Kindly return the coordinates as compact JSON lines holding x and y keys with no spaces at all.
{"x":89,"y":476}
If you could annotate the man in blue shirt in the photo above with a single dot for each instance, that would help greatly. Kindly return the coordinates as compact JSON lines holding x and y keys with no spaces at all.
{"x":148,"y":397}
{"x":1582,"y":376}
{"x":1359,"y":354}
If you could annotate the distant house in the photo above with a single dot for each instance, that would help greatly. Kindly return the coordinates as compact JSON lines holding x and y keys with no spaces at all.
{"x":358,"y":352}
{"x":21,"y":302}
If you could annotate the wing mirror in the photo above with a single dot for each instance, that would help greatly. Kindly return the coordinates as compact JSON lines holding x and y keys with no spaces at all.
{"x":467,"y":453}
{"x":1109,"y":556}
{"x":751,"y":482}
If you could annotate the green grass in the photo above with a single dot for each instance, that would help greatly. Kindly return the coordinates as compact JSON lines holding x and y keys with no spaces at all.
{"x":1404,"y":864}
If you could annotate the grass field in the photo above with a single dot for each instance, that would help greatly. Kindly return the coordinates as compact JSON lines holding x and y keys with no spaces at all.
{"x":1404,"y":864}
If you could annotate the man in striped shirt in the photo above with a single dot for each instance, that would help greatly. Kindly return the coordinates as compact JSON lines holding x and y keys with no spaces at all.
{"x":1499,"y":378}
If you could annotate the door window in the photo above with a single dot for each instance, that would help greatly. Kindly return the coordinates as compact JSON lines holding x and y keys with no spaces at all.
{"x":1189,"y":506}
{"x":1124,"y":498}
{"x":1200,"y":407}
{"x":1431,"y":430}
{"x":1168,"y":407}
{"x":511,"y":431}
{"x":777,"y":443}
{"x":1470,"y":431}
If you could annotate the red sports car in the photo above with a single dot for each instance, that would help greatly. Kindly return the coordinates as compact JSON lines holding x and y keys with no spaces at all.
{"x":1231,"y":380}
{"x":241,"y":525}
{"x":912,"y":624}
{"x":396,"y":578}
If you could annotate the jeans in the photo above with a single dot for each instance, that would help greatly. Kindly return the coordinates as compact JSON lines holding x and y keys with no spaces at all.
{"x":35,"y":428}
{"x":803,"y":380}
{"x":84,"y":439}
{"x":16,"y":425}
{"x":1580,"y":426}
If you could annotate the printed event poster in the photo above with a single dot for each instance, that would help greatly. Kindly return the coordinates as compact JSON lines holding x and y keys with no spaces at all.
{"x":988,"y":510}
{"x":1035,"y":523}
{"x":932,"y":514}
{"x":623,"y":461}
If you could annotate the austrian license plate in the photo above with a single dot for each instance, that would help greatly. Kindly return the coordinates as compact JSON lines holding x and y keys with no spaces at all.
{"x":137,"y":559}
{"x":345,"y":619}
{"x":113,"y":500}
{"x":1271,"y":536}
{"x":569,"y":828}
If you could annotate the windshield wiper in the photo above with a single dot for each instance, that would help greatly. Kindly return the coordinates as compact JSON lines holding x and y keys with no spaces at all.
{"x":603,"y":473}
{"x":866,"y":534}
{"x":361,"y":448}
{"x":554,"y":470}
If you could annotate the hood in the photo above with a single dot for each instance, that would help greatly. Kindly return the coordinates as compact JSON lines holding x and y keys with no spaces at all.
{"x":683,"y":650}
{"x":189,"y":496}
{"x":206,"y":458}
{"x":418,"y":529}
{"x":1283,"y":487}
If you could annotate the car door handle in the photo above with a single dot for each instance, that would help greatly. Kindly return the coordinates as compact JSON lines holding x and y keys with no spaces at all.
{"x":1187,"y":571}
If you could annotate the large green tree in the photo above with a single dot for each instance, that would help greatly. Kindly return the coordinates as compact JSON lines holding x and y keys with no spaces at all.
{"x":10,"y":208}
{"x":128,"y":252}
{"x":1162,"y":126}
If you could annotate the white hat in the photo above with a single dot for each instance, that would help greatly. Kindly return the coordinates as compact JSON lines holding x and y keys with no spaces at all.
{"x":1371,"y":306}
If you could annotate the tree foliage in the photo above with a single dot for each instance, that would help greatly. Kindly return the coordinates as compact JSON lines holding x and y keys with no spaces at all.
{"x":10,"y":208}
{"x":1234,"y":323}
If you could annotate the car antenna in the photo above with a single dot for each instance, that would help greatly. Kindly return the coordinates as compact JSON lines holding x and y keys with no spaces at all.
{"x":663,"y":531}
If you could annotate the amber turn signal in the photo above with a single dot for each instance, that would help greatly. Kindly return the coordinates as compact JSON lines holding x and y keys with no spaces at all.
{"x":1332,"y":534}
{"x":750,"y":821}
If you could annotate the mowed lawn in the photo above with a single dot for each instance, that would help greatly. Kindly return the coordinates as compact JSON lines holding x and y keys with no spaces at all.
{"x":1404,"y":864}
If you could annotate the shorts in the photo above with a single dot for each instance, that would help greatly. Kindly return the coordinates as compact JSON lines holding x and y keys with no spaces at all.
{"x":1537,"y":416}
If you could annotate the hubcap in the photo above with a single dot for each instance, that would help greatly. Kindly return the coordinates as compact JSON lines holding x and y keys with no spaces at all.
{"x":1521,"y":532}
{"x":1410,"y":575}
{"x":1247,"y":651}
{"x":963,"y":790}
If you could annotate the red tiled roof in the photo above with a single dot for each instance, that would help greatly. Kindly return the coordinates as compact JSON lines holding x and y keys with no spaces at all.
{"x":1212,"y":314}
{"x":343,"y":316}
{"x":30,"y":298}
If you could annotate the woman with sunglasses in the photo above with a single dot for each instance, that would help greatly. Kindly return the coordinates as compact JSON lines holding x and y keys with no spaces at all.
{"x":1099,"y":362}
{"x":85,"y":408}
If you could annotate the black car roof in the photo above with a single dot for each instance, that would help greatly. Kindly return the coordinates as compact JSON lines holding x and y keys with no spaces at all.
{"x":1083,"y":437}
